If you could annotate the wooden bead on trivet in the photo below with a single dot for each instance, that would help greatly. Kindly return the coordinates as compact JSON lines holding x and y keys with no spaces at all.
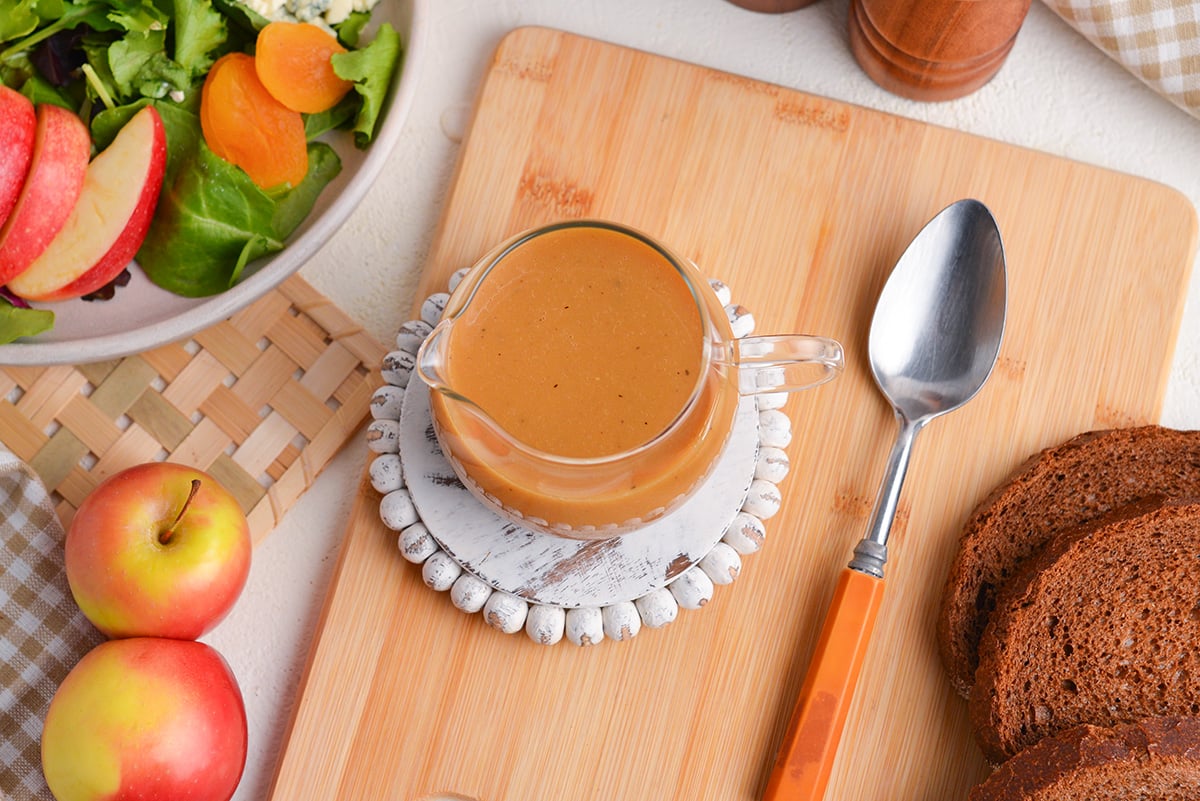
{"x":468,"y":593}
{"x":505,"y":612}
{"x":551,"y":587}
{"x":546,"y":624}
{"x":933,"y":49}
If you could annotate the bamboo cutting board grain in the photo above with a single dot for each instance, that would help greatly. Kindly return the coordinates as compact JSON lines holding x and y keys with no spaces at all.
{"x":802,"y":205}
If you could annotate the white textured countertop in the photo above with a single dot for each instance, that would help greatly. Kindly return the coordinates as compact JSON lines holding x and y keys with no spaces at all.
{"x":1056,"y":93}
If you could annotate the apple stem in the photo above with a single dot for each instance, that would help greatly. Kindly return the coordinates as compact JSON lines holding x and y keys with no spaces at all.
{"x":165,"y":537}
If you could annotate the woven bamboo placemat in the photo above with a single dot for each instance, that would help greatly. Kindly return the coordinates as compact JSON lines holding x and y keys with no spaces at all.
{"x":262,"y":401}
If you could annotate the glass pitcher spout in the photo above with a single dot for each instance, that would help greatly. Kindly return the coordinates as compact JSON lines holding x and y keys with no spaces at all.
{"x":432,"y":360}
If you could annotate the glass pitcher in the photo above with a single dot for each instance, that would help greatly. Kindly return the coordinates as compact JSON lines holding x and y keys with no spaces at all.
{"x":585,"y":378}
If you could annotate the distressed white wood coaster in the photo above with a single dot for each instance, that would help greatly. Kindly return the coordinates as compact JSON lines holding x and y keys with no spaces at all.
{"x":553,"y":587}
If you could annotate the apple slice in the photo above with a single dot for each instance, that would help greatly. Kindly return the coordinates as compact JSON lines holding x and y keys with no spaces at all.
{"x":110,"y":219}
{"x":61,"y":148}
{"x":18,"y":124}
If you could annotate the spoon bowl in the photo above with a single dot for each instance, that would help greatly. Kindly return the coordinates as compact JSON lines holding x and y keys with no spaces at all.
{"x":940,"y":318}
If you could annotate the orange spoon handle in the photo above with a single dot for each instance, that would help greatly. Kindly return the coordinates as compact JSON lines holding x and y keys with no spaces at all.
{"x":805,"y":758}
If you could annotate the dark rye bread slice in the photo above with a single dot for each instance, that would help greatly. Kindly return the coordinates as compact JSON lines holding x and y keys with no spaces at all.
{"x":1153,"y":760}
{"x":1056,"y":489}
{"x":1101,"y":627}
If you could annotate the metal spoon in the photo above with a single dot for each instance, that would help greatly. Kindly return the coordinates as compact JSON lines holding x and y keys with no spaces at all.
{"x":933,"y":342}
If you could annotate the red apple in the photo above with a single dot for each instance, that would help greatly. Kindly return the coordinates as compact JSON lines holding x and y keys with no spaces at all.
{"x":18,"y":123}
{"x":109,"y":220}
{"x":149,"y":718}
{"x":61,"y":148}
{"x":157,"y":550}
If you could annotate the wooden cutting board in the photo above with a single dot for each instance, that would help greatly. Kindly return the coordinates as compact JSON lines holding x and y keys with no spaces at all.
{"x":802,"y":205}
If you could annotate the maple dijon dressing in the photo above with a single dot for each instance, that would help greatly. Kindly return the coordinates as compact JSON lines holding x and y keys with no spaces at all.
{"x":586,"y":343}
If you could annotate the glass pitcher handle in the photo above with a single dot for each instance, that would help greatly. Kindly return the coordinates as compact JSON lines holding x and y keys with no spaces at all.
{"x":786,"y":362}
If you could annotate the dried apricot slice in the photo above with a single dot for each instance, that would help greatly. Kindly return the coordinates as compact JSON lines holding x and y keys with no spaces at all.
{"x":293,"y":62}
{"x":244,"y":124}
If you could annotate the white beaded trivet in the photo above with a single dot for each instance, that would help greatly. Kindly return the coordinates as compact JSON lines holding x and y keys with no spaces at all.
{"x":552,"y":586}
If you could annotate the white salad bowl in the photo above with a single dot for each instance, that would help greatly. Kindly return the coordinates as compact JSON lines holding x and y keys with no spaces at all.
{"x":143,"y":316}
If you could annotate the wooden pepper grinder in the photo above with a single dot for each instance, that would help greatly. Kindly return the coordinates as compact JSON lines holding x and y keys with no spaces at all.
{"x":933,"y":49}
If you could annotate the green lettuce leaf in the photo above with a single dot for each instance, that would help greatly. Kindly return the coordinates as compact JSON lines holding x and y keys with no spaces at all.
{"x":138,"y":17}
{"x":57,"y":16}
{"x":293,"y":207}
{"x":19,"y":19}
{"x":23,"y":17}
{"x":241,"y":15}
{"x":350,"y":29}
{"x":199,"y":32}
{"x":371,"y":69}
{"x":180,"y":122}
{"x":16,"y":323}
{"x":140,"y":66}
{"x":340,"y":116}
{"x":38,"y":90}
{"x":212,"y":221}
{"x":108,"y":122}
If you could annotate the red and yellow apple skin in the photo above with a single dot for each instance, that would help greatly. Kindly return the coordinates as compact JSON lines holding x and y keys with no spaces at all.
{"x":18,"y":122}
{"x":57,"y":166}
{"x":146,"y":718}
{"x":132,"y":578}
{"x":110,"y":218}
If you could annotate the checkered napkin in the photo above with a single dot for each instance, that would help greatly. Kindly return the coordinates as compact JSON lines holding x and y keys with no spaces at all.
{"x":1156,"y":40}
{"x":42,"y":633}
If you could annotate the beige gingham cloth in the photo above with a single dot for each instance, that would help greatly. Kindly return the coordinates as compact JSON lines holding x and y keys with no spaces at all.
{"x":1156,"y":40}
{"x":42,"y":633}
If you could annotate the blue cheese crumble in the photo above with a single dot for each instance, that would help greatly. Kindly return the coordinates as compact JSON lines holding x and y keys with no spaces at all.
{"x":320,"y":12}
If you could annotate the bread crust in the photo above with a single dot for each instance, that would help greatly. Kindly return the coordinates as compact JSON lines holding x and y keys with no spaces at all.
{"x":1061,"y":487}
{"x":1100,"y":627}
{"x":1155,"y":758}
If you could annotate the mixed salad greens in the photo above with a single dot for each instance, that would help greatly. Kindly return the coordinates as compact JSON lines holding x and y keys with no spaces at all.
{"x":106,"y":59}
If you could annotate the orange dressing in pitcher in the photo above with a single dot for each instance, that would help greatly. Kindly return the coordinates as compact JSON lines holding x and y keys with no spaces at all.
{"x":587,"y":344}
